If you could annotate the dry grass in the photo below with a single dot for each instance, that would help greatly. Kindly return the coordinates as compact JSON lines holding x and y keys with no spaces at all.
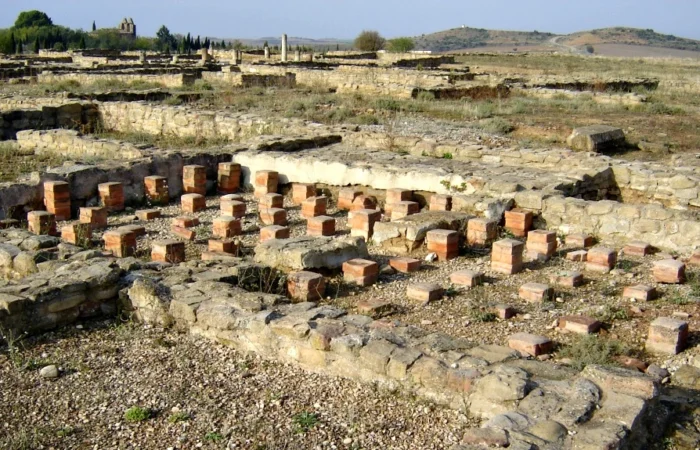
{"x":14,"y":162}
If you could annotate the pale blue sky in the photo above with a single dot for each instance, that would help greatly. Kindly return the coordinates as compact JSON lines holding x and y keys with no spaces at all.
{"x":345,"y":18}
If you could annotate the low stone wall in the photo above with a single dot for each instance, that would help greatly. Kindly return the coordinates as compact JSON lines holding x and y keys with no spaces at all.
{"x":166,"y":80}
{"x":68,"y":115}
{"x":71,"y":144}
{"x":630,"y":99}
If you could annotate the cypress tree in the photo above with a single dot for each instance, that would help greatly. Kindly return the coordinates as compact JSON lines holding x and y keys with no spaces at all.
{"x":81,"y":44}
{"x":13,"y":43}
{"x":94,"y":26}
{"x":35,"y":49}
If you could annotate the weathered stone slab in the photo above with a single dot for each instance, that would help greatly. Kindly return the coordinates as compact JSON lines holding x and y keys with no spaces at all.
{"x":308,"y":252}
{"x":596,"y":138}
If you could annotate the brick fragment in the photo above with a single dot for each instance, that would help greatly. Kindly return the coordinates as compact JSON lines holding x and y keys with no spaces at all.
{"x":669,"y":271}
{"x":637,"y":248}
{"x":530,"y":344}
{"x":424,"y":293}
{"x":362,"y":223}
{"x":441,"y":202}
{"x":233,"y":208}
{"x":271,"y":200}
{"x":346,"y":197}
{"x":57,"y":199}
{"x":314,"y":207}
{"x":148,"y":214}
{"x":535,"y":292}
{"x":265,"y":182}
{"x":404,"y":264}
{"x":223,"y":246}
{"x":184,"y":233}
{"x":185,"y":222}
{"x":577,"y":256}
{"x":467,"y":278}
{"x":579,"y":324}
{"x":580,"y":240}
{"x":640,"y":292}
{"x":302,"y":191}
{"x":505,"y":312}
{"x":567,"y":279}
{"x":482,"y":232}
{"x":402,"y":209}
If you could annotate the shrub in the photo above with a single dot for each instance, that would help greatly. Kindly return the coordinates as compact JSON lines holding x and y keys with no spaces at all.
{"x":388,"y":104}
{"x":401,"y":45}
{"x":137,"y":414}
{"x":425,"y":96}
{"x":369,"y":41}
{"x":497,"y":125}
{"x":592,"y":349}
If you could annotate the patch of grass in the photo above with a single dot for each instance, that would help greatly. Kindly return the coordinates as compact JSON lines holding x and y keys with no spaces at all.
{"x":65,"y":432}
{"x":180,"y":416}
{"x":63,"y":86}
{"x":679,"y":299}
{"x":387,"y":104}
{"x":304,"y":421}
{"x":593,"y":349}
{"x":663,"y":109}
{"x":137,"y":414}
{"x":425,"y":96}
{"x":213,"y":436}
{"x":447,"y":156}
{"x":496,"y":125}
{"x":612,"y":313}
{"x":483,"y":316}
{"x":15,"y":162}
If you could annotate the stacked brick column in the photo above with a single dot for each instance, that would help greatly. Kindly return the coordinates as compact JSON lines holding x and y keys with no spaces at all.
{"x":194,"y":179}
{"x":541,"y":244}
{"x":156,"y":188}
{"x":305,"y":286}
{"x":667,"y":336}
{"x":265,"y":182}
{"x":57,"y":199}
{"x":314,"y":206}
{"x":228,"y":178}
{"x":231,"y":205}
{"x":112,"y":196}
{"x":440,"y":202}
{"x":444,"y":243}
{"x":226,"y":227}
{"x":192,"y":203}
{"x":395,"y":196}
{"x":601,"y":259}
{"x":507,"y":256}
{"x":302,"y":191}
{"x":41,"y":222}
{"x":77,"y":234}
{"x":346,"y":197}
{"x":121,"y":243}
{"x":362,"y":223}
{"x":320,"y":226}
{"x":96,"y":217}
{"x":481,"y":232}
{"x":361,"y":272}
{"x":168,"y":251}
{"x":518,"y":222}
{"x":402,"y":209}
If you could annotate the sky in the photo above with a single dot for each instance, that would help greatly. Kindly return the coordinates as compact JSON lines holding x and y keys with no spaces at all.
{"x":344,"y":19}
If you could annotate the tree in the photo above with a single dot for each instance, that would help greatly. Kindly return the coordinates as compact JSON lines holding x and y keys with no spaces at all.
{"x":33,"y":18}
{"x":13,"y":43}
{"x":401,"y":45}
{"x":35,"y":49}
{"x":590,"y":49}
{"x":369,"y":41}
{"x":81,"y":44}
{"x":166,"y":41}
{"x":94,"y":26}
{"x":237,"y":45}
{"x":59,"y":47}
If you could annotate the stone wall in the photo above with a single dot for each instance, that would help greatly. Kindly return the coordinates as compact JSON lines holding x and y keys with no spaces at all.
{"x":72,"y":144}
{"x":69,"y":115}
{"x":167,"y":80}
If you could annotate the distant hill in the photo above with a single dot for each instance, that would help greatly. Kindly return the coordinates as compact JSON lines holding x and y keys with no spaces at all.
{"x":463,"y":38}
{"x":474,"y":38}
{"x":630,"y":36}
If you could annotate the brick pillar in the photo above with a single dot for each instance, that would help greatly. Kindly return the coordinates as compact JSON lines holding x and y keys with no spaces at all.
{"x":273,"y":216}
{"x":443,"y":242}
{"x":396,"y":196}
{"x":156,"y":189}
{"x":194,"y":179}
{"x":362,"y":222}
{"x":302,"y":191}
{"x":112,"y":196}
{"x":305,"y":286}
{"x":226,"y":227}
{"x":233,"y":208}
{"x":667,"y":336}
{"x":57,"y":199}
{"x":168,"y":251}
{"x":541,"y":244}
{"x":121,"y":243}
{"x":274,"y":232}
{"x":481,"y":232}
{"x":507,"y":256}
{"x":320,"y":226}
{"x":265,"y":182}
{"x":361,"y":272}
{"x":228,"y":178}
{"x":518,"y":222}
{"x":440,"y":202}
{"x":228,"y":246}
{"x":96,"y":217}
{"x":346,"y":197}
{"x":41,"y":222}
{"x":192,"y":203}
{"x":77,"y":234}
{"x":601,"y":259}
{"x":364,"y":202}
{"x":314,"y":206}
{"x":271,"y":201}
{"x":402,"y":209}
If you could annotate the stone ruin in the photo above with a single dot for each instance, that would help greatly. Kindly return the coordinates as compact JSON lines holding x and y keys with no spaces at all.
{"x":241,"y":244}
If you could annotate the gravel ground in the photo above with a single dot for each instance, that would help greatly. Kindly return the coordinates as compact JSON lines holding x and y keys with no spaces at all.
{"x":225,"y":399}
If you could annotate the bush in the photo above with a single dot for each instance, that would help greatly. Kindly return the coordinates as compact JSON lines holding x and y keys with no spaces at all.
{"x":369,"y":41}
{"x":497,"y":125}
{"x":137,"y":414}
{"x":388,"y":104}
{"x":592,"y":349}
{"x":425,"y":96}
{"x":401,"y":45}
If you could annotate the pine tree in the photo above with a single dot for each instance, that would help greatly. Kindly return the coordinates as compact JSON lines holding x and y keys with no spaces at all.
{"x":94,"y":27}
